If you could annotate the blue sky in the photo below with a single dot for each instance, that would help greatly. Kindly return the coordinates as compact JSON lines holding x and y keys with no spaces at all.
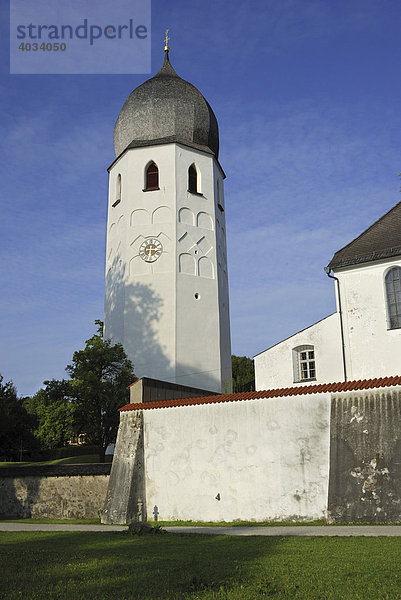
{"x":307,"y":94}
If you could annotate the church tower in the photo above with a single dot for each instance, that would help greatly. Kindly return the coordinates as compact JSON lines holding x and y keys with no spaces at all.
{"x":166,"y":296}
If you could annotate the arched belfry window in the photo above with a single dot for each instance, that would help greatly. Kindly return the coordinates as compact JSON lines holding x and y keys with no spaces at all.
{"x":193,"y":179}
{"x":117,"y":198}
{"x":219,"y":197}
{"x":393,"y":293}
{"x":152,"y":177}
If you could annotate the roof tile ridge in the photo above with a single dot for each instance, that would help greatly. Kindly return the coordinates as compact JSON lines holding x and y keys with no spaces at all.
{"x":341,"y":386}
{"x":367,"y":257}
{"x":278,"y":392}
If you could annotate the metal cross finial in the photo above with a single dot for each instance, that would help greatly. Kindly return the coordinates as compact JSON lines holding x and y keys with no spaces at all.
{"x":166,"y":47}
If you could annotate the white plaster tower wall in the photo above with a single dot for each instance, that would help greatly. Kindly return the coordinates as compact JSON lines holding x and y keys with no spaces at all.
{"x":202,"y":323}
{"x":222,"y":272}
{"x":140,"y":296}
{"x":171,"y":315}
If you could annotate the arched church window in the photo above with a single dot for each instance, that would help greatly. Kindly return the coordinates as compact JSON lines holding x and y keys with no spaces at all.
{"x":304,"y":363}
{"x":152,"y":177}
{"x":393,"y":293}
{"x":193,"y":179}
{"x":219,"y":197}
{"x":117,"y":198}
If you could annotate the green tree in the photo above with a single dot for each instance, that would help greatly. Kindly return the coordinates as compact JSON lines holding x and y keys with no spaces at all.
{"x":16,"y":425}
{"x":243,"y":373}
{"x":53,"y":408}
{"x":100,"y":374}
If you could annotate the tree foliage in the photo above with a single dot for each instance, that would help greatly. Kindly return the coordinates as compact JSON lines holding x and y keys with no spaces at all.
{"x":16,"y":425}
{"x":100,"y":376}
{"x":243,"y":373}
{"x":53,"y":406}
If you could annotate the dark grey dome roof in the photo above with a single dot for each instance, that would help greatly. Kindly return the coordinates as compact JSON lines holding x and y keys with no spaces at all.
{"x":164,"y":109}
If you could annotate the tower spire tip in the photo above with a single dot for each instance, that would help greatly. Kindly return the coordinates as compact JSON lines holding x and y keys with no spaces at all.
{"x":166,"y":46}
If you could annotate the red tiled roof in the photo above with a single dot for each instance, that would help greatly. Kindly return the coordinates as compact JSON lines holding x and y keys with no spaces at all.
{"x":343,"y":386}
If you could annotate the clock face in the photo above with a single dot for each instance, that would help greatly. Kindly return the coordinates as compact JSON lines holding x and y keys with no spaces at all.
{"x":150,"y":250}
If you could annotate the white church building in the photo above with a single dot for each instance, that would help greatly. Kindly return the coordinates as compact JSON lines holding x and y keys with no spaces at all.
{"x":298,"y":448}
{"x":362,"y":339}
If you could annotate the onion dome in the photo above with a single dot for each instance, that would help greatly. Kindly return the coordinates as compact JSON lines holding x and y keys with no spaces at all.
{"x":166,"y":109}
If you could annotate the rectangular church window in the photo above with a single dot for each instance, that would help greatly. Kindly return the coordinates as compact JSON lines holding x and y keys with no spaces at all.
{"x":304,"y":363}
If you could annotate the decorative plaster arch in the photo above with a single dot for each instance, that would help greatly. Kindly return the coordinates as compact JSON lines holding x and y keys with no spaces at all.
{"x":140,"y":216}
{"x":205,"y":268}
{"x":204,"y":220}
{"x":186,"y":264}
{"x":185,"y":215}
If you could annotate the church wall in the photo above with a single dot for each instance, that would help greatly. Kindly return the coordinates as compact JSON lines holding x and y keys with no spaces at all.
{"x":372,"y":350}
{"x":264,"y":459}
{"x":365,"y":449}
{"x":274,"y":367}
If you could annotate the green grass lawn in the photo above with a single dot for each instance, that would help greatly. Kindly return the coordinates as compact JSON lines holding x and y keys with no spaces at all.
{"x":236,"y":523}
{"x":318,"y":522}
{"x":116,"y":566}
{"x":71,"y":460}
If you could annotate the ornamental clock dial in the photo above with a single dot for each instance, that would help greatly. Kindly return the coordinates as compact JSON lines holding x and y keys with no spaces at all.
{"x":150,"y":250}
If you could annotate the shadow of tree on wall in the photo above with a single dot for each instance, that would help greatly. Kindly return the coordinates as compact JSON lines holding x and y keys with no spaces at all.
{"x":210,"y":380}
{"x":139,"y":333}
{"x":18,"y":496}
